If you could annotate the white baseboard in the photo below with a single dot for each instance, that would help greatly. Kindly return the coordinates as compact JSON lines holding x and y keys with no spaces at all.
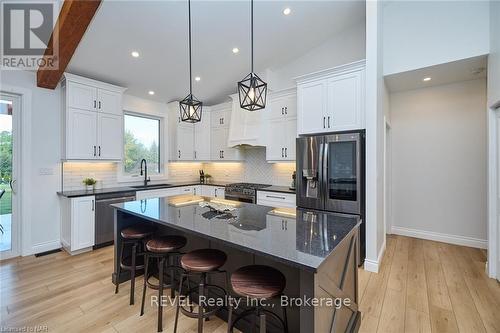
{"x":439,"y":237}
{"x":372,"y":265}
{"x":44,"y":247}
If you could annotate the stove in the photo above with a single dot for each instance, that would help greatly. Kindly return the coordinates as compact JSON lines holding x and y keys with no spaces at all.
{"x":244,"y":192}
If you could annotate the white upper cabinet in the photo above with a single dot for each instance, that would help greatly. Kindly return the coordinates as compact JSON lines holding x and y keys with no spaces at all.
{"x":221,"y":117}
{"x":185,"y":142}
{"x":332,"y":100}
{"x":92,"y":119}
{"x":82,"y":96}
{"x":202,"y":137}
{"x":109,"y":132}
{"x":109,"y":102}
{"x":281,"y":126}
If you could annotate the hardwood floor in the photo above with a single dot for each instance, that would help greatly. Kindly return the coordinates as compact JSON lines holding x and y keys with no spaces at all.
{"x":422,"y":286}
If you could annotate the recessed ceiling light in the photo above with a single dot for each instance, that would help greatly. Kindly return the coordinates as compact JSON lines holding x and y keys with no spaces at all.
{"x":427,"y":79}
{"x":287,"y":11}
{"x":197,"y":78}
{"x":151,"y":92}
{"x":236,"y":50}
{"x":135,"y":54}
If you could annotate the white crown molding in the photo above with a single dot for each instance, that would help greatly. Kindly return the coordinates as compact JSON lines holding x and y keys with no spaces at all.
{"x":92,"y":82}
{"x":342,"y":69}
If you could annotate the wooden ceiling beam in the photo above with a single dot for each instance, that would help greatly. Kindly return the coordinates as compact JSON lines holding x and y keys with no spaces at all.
{"x":74,"y":18}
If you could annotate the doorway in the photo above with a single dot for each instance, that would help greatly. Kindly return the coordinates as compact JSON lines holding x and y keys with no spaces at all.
{"x":9,"y":171}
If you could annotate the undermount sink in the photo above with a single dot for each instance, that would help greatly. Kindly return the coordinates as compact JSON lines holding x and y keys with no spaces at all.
{"x":151,"y":186}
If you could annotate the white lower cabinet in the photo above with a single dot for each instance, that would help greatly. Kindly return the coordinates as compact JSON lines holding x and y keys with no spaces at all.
{"x":276,"y":199}
{"x":78,"y":224}
{"x":213,"y":191}
{"x":283,"y":231}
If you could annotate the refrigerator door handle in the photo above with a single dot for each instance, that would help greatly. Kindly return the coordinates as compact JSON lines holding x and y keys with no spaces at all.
{"x":324,"y":179}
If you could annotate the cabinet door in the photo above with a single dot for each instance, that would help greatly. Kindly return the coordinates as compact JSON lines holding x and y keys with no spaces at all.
{"x":202,"y":138}
{"x":218,"y":142}
{"x":290,"y":106}
{"x":81,"y":134}
{"x":344,"y":102}
{"x":228,"y":153}
{"x":220,"y":118}
{"x":81,"y":96}
{"x":207,"y":191}
{"x":311,"y":107}
{"x":109,"y":136}
{"x":290,"y":135}
{"x":219,"y":192}
{"x":275,"y":150}
{"x":185,"y":143}
{"x":276,"y":109}
{"x":109,"y":102}
{"x":82,"y":223}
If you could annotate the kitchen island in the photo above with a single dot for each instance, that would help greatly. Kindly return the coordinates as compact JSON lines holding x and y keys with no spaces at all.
{"x":316,"y":251}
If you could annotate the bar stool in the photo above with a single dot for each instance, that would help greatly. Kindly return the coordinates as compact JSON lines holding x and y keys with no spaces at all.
{"x":200,"y":263}
{"x":135,"y":236}
{"x":163,"y":248}
{"x":257,"y":282}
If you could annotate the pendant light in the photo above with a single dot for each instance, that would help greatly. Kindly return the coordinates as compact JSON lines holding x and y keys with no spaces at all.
{"x":252,"y":90}
{"x":190,"y":107}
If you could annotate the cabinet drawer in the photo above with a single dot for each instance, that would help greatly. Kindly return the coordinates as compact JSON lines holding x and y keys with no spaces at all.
{"x":275,"y":199}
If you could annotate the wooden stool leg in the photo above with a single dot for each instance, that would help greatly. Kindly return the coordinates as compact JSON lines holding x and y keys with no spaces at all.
{"x":160,"y":296}
{"x":178,"y":303}
{"x":132,"y":274}
{"x":145,"y":285}
{"x":172,"y":280}
{"x":201,"y":292}
{"x":119,"y":268}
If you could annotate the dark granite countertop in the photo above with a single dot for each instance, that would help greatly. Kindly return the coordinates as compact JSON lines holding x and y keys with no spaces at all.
{"x":123,"y":189}
{"x":279,"y":189}
{"x":301,"y":238}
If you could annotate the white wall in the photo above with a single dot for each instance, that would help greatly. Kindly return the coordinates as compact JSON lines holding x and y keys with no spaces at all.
{"x":439,"y":162}
{"x":418,"y":34}
{"x":345,"y":47}
{"x":43,"y":227}
{"x":494,"y":57}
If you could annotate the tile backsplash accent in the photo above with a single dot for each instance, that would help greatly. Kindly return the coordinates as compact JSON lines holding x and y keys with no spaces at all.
{"x":253,"y":169}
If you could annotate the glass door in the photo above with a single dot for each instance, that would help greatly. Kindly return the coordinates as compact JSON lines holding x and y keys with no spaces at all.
{"x":342,"y":173}
{"x":9,"y":105}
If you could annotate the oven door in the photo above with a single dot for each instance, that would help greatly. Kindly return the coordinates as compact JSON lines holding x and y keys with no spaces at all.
{"x":239,"y":197}
{"x":342,"y":172}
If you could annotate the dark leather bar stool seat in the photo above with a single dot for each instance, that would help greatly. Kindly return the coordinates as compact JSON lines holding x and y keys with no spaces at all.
{"x":164,"y":248}
{"x":203,"y":260}
{"x":258,"y":281}
{"x":134,"y":236}
{"x":261,"y":283}
{"x":138,"y":231}
{"x":165,"y":244}
{"x":200,"y":263}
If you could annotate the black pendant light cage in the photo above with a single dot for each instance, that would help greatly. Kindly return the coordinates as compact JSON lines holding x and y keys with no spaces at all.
{"x":190,"y":107}
{"x":252,"y":91}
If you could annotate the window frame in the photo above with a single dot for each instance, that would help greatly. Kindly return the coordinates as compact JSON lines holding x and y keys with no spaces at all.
{"x":127,"y":178}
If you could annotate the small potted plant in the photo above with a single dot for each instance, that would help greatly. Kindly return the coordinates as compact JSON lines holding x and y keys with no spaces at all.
{"x":89,"y":183}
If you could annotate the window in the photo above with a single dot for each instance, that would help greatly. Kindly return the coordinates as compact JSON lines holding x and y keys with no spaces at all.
{"x":142,"y":140}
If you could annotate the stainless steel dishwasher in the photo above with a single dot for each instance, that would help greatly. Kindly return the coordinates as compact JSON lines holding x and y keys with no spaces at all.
{"x":104,"y":216}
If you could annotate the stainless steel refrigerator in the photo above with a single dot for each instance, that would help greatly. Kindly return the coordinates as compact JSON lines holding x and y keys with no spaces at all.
{"x":330,"y":175}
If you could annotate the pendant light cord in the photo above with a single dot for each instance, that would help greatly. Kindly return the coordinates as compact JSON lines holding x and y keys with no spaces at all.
{"x":251,"y":34}
{"x":190,"y":74}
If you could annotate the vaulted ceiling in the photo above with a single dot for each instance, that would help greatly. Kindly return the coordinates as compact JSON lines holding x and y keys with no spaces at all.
{"x":158,"y":31}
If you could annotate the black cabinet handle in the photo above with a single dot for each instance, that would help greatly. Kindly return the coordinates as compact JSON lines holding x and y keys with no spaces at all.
{"x":282,"y":152}
{"x":286,"y":109}
{"x":324,"y":119}
{"x":223,"y":154}
{"x":328,"y":121}
{"x":286,"y":152}
{"x":179,"y":153}
{"x":93,"y":205}
{"x":99,"y":151}
{"x":275,"y":197}
{"x":94,"y":151}
{"x":222,"y":120}
{"x":282,"y":111}
{"x":95,"y":102}
{"x":195,"y":154}
{"x":99,"y":105}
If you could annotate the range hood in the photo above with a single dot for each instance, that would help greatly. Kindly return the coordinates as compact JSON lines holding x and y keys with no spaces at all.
{"x":246,"y":128}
